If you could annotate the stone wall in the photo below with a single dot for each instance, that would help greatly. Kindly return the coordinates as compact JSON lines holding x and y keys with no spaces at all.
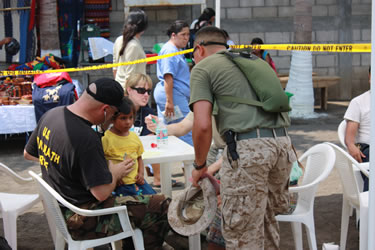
{"x":334,"y":21}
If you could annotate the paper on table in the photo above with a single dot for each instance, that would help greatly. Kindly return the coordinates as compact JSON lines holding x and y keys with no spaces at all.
{"x":100,"y":47}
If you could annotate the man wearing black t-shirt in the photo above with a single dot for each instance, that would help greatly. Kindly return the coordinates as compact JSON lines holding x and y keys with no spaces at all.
{"x":72,"y":161}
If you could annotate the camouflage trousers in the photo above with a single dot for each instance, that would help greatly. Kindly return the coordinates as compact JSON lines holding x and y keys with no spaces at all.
{"x":147,"y":212}
{"x":254,"y":189}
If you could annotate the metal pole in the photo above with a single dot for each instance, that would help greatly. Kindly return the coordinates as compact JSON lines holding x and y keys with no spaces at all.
{"x":371,"y":213}
{"x":217,"y":13}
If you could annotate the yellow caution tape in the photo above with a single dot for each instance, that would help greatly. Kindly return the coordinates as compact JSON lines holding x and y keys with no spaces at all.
{"x":362,"y":47}
{"x":359,"y":47}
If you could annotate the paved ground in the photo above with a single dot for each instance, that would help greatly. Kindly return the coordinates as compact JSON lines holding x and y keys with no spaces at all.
{"x":33,"y":232}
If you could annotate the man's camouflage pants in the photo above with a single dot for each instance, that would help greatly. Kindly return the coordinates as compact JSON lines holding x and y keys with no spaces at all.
{"x":254,"y":189}
{"x":148,"y":213}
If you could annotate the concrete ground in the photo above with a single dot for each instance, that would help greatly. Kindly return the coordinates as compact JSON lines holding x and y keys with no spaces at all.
{"x":33,"y":232}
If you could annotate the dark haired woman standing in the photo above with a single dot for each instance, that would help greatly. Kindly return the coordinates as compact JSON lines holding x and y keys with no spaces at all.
{"x":128,"y":47}
{"x":174,"y":76}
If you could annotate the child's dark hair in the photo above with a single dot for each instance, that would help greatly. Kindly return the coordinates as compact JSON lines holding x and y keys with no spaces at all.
{"x":126,"y":102}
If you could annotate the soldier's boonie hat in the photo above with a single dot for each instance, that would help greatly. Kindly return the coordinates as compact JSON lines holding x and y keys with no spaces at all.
{"x":193,"y":210}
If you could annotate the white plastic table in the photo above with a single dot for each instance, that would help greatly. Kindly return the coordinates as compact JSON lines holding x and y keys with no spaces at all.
{"x":176,"y":151}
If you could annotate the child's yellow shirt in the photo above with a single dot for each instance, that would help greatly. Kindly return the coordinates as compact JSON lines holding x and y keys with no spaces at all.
{"x":115,"y":146}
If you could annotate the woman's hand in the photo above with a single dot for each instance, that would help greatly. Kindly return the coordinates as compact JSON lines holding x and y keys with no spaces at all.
{"x":151,"y":122}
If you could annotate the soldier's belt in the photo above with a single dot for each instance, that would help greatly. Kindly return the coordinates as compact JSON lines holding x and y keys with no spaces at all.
{"x":261,"y":133}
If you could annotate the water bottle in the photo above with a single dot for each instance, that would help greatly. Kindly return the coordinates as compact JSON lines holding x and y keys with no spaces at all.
{"x":161,"y":133}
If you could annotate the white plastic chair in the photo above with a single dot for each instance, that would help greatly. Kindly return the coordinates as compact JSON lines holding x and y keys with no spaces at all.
{"x":320,"y":160}
{"x":51,"y":200}
{"x":13,"y":205}
{"x":352,"y":196}
{"x":341,"y":132}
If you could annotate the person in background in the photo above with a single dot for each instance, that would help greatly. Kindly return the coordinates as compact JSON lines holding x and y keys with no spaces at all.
{"x":258,"y":157}
{"x":138,"y":88}
{"x":173,"y":73}
{"x":119,"y":143}
{"x":128,"y":47}
{"x":357,"y":133}
{"x":208,"y":15}
{"x":263,"y":53}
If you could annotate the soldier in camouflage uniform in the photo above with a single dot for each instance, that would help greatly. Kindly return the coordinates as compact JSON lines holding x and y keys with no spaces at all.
{"x":72,"y":162}
{"x":258,"y":156}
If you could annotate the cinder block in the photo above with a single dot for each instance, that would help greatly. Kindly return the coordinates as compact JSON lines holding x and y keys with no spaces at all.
{"x":235,"y":37}
{"x":114,"y":5}
{"x":366,"y":35}
{"x":162,"y":39}
{"x":277,"y":2}
{"x":230,"y":4}
{"x":356,"y":59}
{"x":251,"y":3}
{"x":151,"y":14}
{"x":148,"y":41}
{"x":320,"y":10}
{"x":326,"y":36}
{"x":356,"y":34}
{"x":239,"y":13}
{"x":245,"y":38}
{"x":320,"y":71}
{"x":166,"y":14}
{"x":264,"y":12}
{"x":282,"y":63}
{"x":117,"y":17}
{"x":326,"y":60}
{"x":326,"y":2}
{"x":361,"y":9}
{"x":277,"y":37}
{"x":285,"y":11}
{"x":365,"y":59}
{"x":333,"y":10}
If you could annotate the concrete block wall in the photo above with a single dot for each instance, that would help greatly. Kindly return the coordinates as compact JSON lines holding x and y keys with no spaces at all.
{"x":272,"y":20}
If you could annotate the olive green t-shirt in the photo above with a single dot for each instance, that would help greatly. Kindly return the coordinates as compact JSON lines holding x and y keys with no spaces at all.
{"x":217,"y":75}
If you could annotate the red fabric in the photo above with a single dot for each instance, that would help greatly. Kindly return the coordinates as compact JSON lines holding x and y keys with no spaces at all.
{"x":32,"y":15}
{"x":50,"y":79}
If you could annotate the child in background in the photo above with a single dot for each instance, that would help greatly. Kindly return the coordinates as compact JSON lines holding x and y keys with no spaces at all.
{"x":263,"y":53}
{"x":120,"y":143}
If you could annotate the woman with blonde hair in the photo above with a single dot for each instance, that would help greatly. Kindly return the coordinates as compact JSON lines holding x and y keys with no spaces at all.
{"x":138,"y":88}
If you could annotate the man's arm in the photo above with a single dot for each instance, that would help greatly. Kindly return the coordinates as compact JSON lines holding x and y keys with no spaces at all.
{"x":177,"y":129}
{"x":118,"y":171}
{"x":350,"y":134}
{"x":29,"y":157}
{"x":202,"y":135}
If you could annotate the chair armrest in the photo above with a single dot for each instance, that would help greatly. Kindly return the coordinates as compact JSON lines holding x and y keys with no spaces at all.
{"x":363,"y":167}
{"x":302,"y":188}
{"x":98,"y":212}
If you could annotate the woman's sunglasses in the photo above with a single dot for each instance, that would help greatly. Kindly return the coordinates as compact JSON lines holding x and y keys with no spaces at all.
{"x":142,"y":91}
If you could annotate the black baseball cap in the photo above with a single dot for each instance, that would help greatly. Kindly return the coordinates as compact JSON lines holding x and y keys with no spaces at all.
{"x":108,"y":91}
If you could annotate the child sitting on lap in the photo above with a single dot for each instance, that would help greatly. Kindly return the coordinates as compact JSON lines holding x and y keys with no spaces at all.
{"x":119,"y":143}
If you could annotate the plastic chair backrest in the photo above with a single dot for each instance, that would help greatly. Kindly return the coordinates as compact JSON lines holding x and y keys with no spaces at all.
{"x":344,"y":165}
{"x":320,"y":160}
{"x":50,"y":198}
{"x":341,"y":133}
{"x":15,"y":177}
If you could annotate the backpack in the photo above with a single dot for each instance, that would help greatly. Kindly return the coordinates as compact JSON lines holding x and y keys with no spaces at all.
{"x":263,"y":81}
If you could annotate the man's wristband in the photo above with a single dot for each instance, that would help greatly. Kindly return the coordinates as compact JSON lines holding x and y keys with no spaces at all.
{"x":199,"y":167}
